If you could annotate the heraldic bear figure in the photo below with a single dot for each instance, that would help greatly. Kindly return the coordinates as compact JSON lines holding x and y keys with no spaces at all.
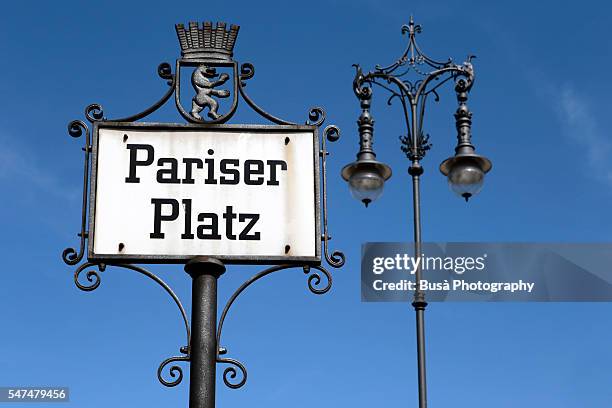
{"x":202,"y":81}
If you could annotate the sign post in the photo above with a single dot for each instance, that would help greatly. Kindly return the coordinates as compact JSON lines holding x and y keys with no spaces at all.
{"x":205,"y":194}
{"x":204,"y":272}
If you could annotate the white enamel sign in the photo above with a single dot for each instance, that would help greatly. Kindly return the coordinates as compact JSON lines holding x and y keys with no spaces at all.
{"x":164,"y":193}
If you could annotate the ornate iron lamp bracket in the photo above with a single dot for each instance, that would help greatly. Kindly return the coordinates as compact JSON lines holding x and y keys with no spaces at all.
{"x":413,"y":93}
{"x":204,"y":57}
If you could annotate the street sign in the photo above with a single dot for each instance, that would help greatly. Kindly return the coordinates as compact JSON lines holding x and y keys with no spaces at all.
{"x":206,"y":194}
{"x":238,"y":193}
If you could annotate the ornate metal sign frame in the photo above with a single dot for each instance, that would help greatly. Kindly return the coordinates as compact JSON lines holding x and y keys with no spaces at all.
{"x":267,"y":260}
{"x":202,"y":47}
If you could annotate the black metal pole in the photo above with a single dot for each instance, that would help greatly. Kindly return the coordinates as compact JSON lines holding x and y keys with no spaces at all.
{"x":419,"y":302}
{"x":204,"y":272}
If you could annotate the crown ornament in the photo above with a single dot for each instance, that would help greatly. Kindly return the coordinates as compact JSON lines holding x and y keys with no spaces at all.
{"x":205,"y":42}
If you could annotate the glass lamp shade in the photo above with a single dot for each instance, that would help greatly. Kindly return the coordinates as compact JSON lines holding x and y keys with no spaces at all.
{"x":465,"y":172}
{"x":366,"y":179}
{"x":366,"y":186}
{"x":466,"y":178}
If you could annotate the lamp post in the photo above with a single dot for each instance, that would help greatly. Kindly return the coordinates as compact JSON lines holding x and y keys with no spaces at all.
{"x":465,"y":170}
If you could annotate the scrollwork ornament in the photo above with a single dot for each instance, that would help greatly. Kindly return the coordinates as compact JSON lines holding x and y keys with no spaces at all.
{"x":464,"y":78}
{"x":332,"y":133}
{"x":336,"y":259}
{"x":413,"y":93}
{"x":316,"y":116}
{"x":231,"y":373}
{"x":92,"y":276}
{"x":247,"y":71}
{"x":164,"y":71}
{"x":70,"y":256}
{"x":94,"y":112}
{"x":314,"y":279}
{"x":176,"y":372}
{"x":77,"y":127}
{"x":362,"y":91}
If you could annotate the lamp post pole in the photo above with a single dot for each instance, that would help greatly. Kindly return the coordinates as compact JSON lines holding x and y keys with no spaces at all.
{"x":418,"y":301}
{"x":465,"y":170}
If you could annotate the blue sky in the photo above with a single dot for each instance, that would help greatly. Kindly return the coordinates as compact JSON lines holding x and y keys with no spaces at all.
{"x":540,"y":103}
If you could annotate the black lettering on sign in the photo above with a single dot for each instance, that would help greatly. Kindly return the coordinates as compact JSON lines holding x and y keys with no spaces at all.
{"x":212,"y":228}
{"x":168,"y":175}
{"x":210,"y":165}
{"x":244,"y":235}
{"x":158,"y":217}
{"x":189,"y":162}
{"x":168,"y":209}
{"x":249,"y":170}
{"x":134,"y":148}
{"x":273,"y":164}
{"x":229,"y":217}
{"x":187,"y":207}
{"x":234,"y":172}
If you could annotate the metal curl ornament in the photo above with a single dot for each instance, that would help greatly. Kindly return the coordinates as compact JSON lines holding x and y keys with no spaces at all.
{"x":94,"y":112}
{"x":316,"y":116}
{"x":164,"y":71}
{"x":332,"y":133}
{"x":336,"y":259}
{"x":92,"y":276}
{"x":362,"y":91}
{"x":247,"y":71}
{"x":314,"y":280}
{"x":70,"y":256}
{"x":175,"y":371}
{"x":77,"y":127}
{"x":230,"y":373}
